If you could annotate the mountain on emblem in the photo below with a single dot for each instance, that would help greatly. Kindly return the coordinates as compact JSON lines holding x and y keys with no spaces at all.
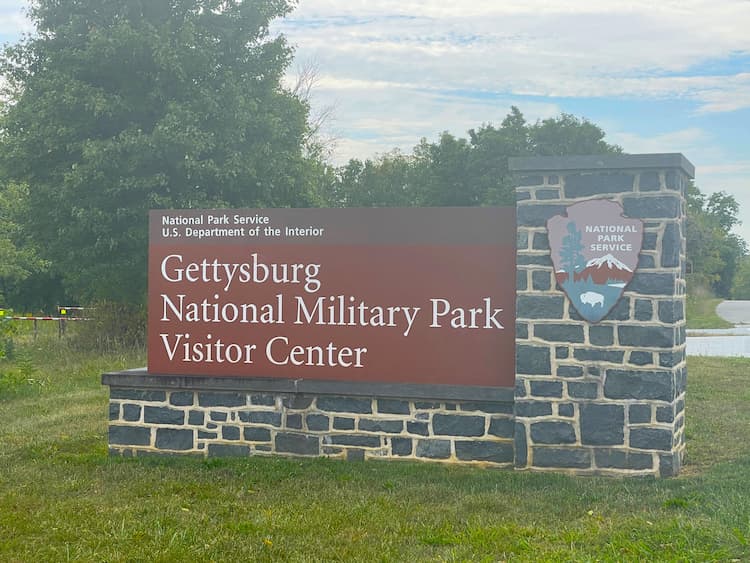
{"x":595,"y":253}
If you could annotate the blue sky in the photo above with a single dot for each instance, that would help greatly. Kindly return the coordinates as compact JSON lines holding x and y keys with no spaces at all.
{"x":666,"y":76}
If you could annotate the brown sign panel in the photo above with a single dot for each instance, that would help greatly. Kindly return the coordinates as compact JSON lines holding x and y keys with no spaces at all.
{"x":422,"y":295}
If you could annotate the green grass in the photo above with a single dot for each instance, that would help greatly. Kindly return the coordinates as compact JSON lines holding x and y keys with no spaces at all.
{"x":701,"y":313}
{"x":63,"y":499}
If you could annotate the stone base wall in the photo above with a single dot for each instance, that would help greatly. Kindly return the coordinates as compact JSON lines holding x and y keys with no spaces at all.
{"x":222,"y":423}
{"x":604,"y":398}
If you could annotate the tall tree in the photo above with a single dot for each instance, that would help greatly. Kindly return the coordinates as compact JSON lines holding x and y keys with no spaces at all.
{"x":118,"y":106}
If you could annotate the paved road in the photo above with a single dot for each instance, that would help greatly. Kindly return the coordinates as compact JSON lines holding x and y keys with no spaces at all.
{"x":724,"y":342}
{"x":737,"y":312}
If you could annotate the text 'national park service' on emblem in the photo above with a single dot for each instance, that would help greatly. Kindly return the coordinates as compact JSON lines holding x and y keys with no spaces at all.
{"x":595,"y":253}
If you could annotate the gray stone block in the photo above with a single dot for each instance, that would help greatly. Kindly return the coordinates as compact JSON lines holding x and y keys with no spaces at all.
{"x":318,"y":422}
{"x":271,"y":418}
{"x":502,"y":427}
{"x":665,"y":414}
{"x":546,"y":195}
{"x":601,"y":335}
{"x":622,"y":459}
{"x":300,"y":444}
{"x":418,"y":428}
{"x":228,"y":450}
{"x":639,"y":358}
{"x":583,"y":389}
{"x":520,"y":389}
{"x":541,"y":280}
{"x":522,"y":195}
{"x":562,"y":352}
{"x":671,"y":246}
{"x":646,"y":336}
{"x":565,"y":409}
{"x":293,"y":421}
{"x":131,"y":413}
{"x":129,"y":435}
{"x":522,"y":331}
{"x":174,"y":439}
{"x":378,"y":425}
{"x":650,"y":241}
{"x":298,"y":402}
{"x":536,"y":215}
{"x":533,"y":360}
{"x":646,"y":262}
{"x":433,"y":449}
{"x":540,"y":241}
{"x":215,"y":399}
{"x":401,"y":447}
{"x":651,"y":439}
{"x":203,"y":435}
{"x":522,"y":239}
{"x":639,"y":385}
{"x":163,"y":415}
{"x":458,"y":425}
{"x":181,"y":398}
{"x":522,"y":282}
{"x":137,"y":394}
{"x":559,"y":332}
{"x":671,"y":359}
{"x":648,"y":283}
{"x":569,"y":372}
{"x":531,"y":409}
{"x":547,"y":432}
{"x":520,"y":445}
{"x":114,"y":411}
{"x":540,"y":306}
{"x":670,"y":464}
{"x":357,"y":440}
{"x":230,"y":433}
{"x":639,"y":414}
{"x":255,"y":434}
{"x":393,"y":406}
{"x":218,"y":416}
{"x":345,"y":404}
{"x":583,"y":185}
{"x":649,"y":182}
{"x":553,"y":179}
{"x":475,"y":450}
{"x":602,"y":424}
{"x":524,"y":259}
{"x":343,"y":423}
{"x":546,"y":388}
{"x":564,"y":458}
{"x":263,"y":400}
{"x":658,"y":207}
{"x":644,"y":310}
{"x":196,"y":418}
{"x":671,"y":311}
{"x":592,"y":355}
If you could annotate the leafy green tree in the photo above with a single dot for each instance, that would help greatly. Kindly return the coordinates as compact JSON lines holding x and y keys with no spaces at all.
{"x":713,"y":251}
{"x":121,"y":106}
{"x":19,"y":259}
{"x":474,"y":171}
{"x":741,"y":282}
{"x":571,"y":250}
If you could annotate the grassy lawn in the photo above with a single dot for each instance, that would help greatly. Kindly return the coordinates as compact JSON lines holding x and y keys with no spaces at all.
{"x":700,"y":312}
{"x":63,"y":499}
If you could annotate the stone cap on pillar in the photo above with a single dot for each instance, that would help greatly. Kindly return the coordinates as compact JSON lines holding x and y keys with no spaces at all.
{"x":601,"y":162}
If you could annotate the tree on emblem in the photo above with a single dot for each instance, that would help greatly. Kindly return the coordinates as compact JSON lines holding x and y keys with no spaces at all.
{"x":570,"y":252}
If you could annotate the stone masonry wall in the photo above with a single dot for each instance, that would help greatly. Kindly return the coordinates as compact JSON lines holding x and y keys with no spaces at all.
{"x":605,"y":398}
{"x":221,"y":424}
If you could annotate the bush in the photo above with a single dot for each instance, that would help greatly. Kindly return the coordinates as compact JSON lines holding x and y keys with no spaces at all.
{"x":112,"y":326}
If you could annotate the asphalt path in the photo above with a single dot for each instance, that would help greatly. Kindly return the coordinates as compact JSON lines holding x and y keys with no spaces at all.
{"x":736,"y":312}
{"x":733,"y":342}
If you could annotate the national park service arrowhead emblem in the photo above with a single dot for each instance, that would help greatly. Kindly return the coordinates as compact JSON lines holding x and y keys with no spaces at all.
{"x":595,"y":253}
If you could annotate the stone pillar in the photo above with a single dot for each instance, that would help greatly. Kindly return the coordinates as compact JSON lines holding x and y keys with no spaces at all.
{"x":609,"y":397}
